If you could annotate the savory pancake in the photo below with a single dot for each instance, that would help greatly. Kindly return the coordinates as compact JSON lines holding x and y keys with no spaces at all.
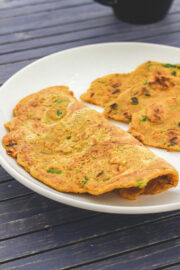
{"x":72,"y":148}
{"x":106,"y":89}
{"x":157,"y":87}
{"x":159,"y":124}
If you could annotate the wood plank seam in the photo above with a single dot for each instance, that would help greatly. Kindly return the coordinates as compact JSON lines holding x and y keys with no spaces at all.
{"x":99,"y":236}
{"x":168,"y":266}
{"x":138,"y":28}
{"x":51,"y":227}
{"x":120,"y":254}
{"x":90,"y":262}
{"x":65,"y":32}
{"x":29,"y":4}
{"x":62,"y":24}
{"x":84,"y":39}
{"x":45,"y":11}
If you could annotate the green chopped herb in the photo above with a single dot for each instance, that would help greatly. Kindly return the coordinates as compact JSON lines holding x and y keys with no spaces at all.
{"x":54,"y":171}
{"x":149,"y":64}
{"x":68,"y":138}
{"x":114,"y":106}
{"x":85,"y":180}
{"x":59,"y":112}
{"x":171,"y":66}
{"x":58,"y":101}
{"x":173,"y":73}
{"x":134,"y":101}
{"x":143,"y":118}
{"x":145,"y":82}
{"x":165,"y":143}
{"x":139,"y":183}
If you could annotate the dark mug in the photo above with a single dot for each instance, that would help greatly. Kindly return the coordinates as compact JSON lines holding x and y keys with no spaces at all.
{"x":139,"y":11}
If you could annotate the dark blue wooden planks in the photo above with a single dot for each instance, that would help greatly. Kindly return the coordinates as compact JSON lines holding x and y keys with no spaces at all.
{"x":86,"y":241}
{"x":39,"y":47}
{"x":12,"y":189}
{"x":58,"y":29}
{"x":43,"y":221}
{"x":8,"y":4}
{"x":44,"y":19}
{"x":25,"y":206}
{"x":40,"y":7}
{"x":153,"y":257}
{"x":4,"y":176}
{"x":137,"y":32}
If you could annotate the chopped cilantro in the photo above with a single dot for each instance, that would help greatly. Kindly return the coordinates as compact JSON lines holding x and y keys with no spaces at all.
{"x":171,"y":66}
{"x":58,"y":101}
{"x":85,"y":180}
{"x":165,"y":143}
{"x":54,"y":171}
{"x":143,"y":118}
{"x":59,"y":112}
{"x":145,"y":82}
{"x":173,"y":73}
{"x":139,"y":183}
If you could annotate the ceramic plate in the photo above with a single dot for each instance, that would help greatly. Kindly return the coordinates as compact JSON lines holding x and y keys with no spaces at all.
{"x":76,"y":68}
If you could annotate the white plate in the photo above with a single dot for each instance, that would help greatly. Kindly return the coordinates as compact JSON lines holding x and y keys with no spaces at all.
{"x":77,"y":68}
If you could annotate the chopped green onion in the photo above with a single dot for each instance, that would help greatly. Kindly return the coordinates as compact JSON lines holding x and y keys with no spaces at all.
{"x":54,"y":171}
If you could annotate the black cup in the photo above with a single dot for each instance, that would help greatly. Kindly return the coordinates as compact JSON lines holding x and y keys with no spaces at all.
{"x":139,"y":11}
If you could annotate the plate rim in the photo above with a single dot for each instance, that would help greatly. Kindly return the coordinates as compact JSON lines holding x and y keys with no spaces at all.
{"x":60,"y":196}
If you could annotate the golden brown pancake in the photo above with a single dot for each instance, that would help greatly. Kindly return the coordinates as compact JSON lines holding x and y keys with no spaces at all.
{"x":158,"y":124}
{"x":72,"y":148}
{"x":107,"y":88}
{"x":157,"y":87}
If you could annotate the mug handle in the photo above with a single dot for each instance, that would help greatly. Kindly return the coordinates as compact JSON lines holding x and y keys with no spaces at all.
{"x":107,"y":2}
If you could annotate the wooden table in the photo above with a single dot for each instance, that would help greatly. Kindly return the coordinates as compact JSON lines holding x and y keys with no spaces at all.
{"x":37,"y":233}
